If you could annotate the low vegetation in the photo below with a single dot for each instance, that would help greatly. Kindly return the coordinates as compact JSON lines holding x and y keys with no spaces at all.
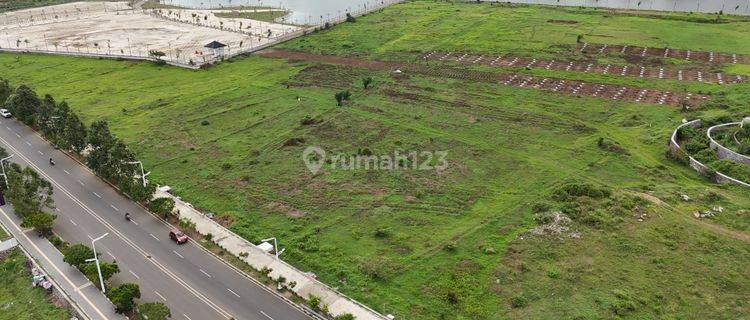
{"x":457,"y":243}
{"x":18,"y":299}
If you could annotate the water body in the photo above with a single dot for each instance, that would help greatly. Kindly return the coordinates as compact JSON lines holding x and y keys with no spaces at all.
{"x":301,"y":11}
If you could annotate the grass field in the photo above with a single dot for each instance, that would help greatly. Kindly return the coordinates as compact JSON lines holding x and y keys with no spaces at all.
{"x":267,"y":16}
{"x":444,"y":244}
{"x":18,"y":299}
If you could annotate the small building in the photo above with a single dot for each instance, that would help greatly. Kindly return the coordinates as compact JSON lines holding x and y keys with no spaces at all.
{"x":216,"y":48}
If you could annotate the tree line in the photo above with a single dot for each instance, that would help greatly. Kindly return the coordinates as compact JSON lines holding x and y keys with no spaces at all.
{"x":101,"y":150}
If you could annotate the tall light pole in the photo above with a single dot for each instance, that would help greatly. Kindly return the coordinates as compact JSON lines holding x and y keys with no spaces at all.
{"x":143,"y":173}
{"x":275,"y":246}
{"x":2,"y":161}
{"x":96,"y":259}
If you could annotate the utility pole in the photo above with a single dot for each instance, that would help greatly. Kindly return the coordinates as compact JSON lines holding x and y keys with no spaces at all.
{"x":275,"y":247}
{"x":96,"y":259}
{"x":143,"y":173}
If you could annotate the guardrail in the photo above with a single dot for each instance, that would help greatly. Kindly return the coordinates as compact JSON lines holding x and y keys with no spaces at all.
{"x":723,"y":152}
{"x":701,"y":168}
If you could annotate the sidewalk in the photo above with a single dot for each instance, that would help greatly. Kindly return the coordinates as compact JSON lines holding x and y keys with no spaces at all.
{"x":84,"y":296}
{"x":338,"y":304}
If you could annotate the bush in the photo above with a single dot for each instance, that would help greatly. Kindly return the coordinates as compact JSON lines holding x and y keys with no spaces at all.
{"x":122,"y":297}
{"x":205,"y":122}
{"x":574,"y":190}
{"x":346,"y":316}
{"x":77,"y":254}
{"x":518,"y":301}
{"x":161,"y":206}
{"x":314,"y":302}
{"x":154,"y":311}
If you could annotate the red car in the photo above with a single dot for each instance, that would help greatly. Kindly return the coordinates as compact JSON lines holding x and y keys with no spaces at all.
{"x":178,"y":236}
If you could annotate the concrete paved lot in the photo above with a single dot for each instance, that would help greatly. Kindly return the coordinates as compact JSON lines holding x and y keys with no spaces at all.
{"x":113,"y":29}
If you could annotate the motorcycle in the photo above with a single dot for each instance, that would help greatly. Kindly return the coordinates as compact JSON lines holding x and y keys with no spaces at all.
{"x":51,"y":162}
{"x":127,"y":216}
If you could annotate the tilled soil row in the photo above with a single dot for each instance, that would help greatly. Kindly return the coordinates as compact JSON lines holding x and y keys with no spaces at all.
{"x":587,"y":67}
{"x":576,"y":88}
{"x":709,"y":57}
{"x":570,"y":87}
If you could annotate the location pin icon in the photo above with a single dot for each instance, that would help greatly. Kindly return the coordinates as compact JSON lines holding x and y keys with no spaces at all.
{"x":314,"y":158}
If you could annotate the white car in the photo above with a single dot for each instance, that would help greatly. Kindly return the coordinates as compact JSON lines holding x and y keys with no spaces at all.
{"x":5,"y":113}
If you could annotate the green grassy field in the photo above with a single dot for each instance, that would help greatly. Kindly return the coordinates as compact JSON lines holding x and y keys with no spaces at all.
{"x":443,"y":244}
{"x":18,"y":299}
{"x":267,"y":16}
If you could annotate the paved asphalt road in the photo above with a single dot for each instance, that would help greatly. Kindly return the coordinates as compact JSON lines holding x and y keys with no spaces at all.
{"x":193,"y":283}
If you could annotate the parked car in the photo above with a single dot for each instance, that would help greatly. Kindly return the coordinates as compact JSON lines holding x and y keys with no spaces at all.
{"x":178,"y":236}
{"x":5,"y":113}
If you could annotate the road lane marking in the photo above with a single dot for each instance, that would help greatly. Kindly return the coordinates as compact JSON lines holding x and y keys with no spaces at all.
{"x":57,"y":209}
{"x":66,"y":171}
{"x":135,"y":275}
{"x":206,"y":273}
{"x":160,"y":296}
{"x":112,"y":255}
{"x":93,"y":306}
{"x":113,"y":207}
{"x":28,"y":143}
{"x":234,"y":293}
{"x":153,"y":236}
{"x":83,"y":286}
{"x":179,"y":255}
{"x":73,"y":222}
{"x":42,"y":153}
{"x":97,"y":195}
{"x":117,"y":232}
{"x":267,"y":316}
{"x":18,"y":135}
{"x":133,"y":221}
{"x":186,"y":316}
{"x":80,"y":182}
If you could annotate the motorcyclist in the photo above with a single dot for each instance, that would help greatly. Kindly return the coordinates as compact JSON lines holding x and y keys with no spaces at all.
{"x":127,"y":216}
{"x":51,"y":162}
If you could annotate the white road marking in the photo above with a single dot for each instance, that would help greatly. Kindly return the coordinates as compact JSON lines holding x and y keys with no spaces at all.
{"x":112,"y":229}
{"x":179,"y":255}
{"x":153,"y":236}
{"x":133,"y":221}
{"x":28,"y":143}
{"x":73,"y":222}
{"x":204,"y":272}
{"x":135,"y":275}
{"x":97,"y":195}
{"x":234,"y":293}
{"x":18,"y":135}
{"x":186,"y":316}
{"x":57,"y":209}
{"x":66,"y":171}
{"x":113,"y":207}
{"x":85,"y":285}
{"x":42,"y":153}
{"x":111,"y":255}
{"x":80,"y":182}
{"x":267,"y":316}
{"x":160,"y":296}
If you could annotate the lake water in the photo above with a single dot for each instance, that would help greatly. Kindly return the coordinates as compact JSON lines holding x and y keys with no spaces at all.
{"x":302,"y":11}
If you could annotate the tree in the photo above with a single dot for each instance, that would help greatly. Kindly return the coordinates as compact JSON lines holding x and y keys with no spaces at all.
{"x":28,"y":192}
{"x":366,"y":82}
{"x":154,"y":311}
{"x":5,"y":91}
{"x":101,"y":141}
{"x":44,"y":117}
{"x":24,"y":104}
{"x":108,"y":270}
{"x":77,"y":254}
{"x":41,"y":222}
{"x":74,"y":134}
{"x":161,"y":206}
{"x":122,"y":296}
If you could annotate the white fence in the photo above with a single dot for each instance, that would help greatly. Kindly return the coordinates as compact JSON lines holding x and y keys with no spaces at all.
{"x":723,"y":152}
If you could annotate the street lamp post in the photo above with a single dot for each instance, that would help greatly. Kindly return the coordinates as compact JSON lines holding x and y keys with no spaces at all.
{"x":96,"y":259}
{"x":143,"y":173}
{"x":2,"y":161}
{"x":275,"y":246}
